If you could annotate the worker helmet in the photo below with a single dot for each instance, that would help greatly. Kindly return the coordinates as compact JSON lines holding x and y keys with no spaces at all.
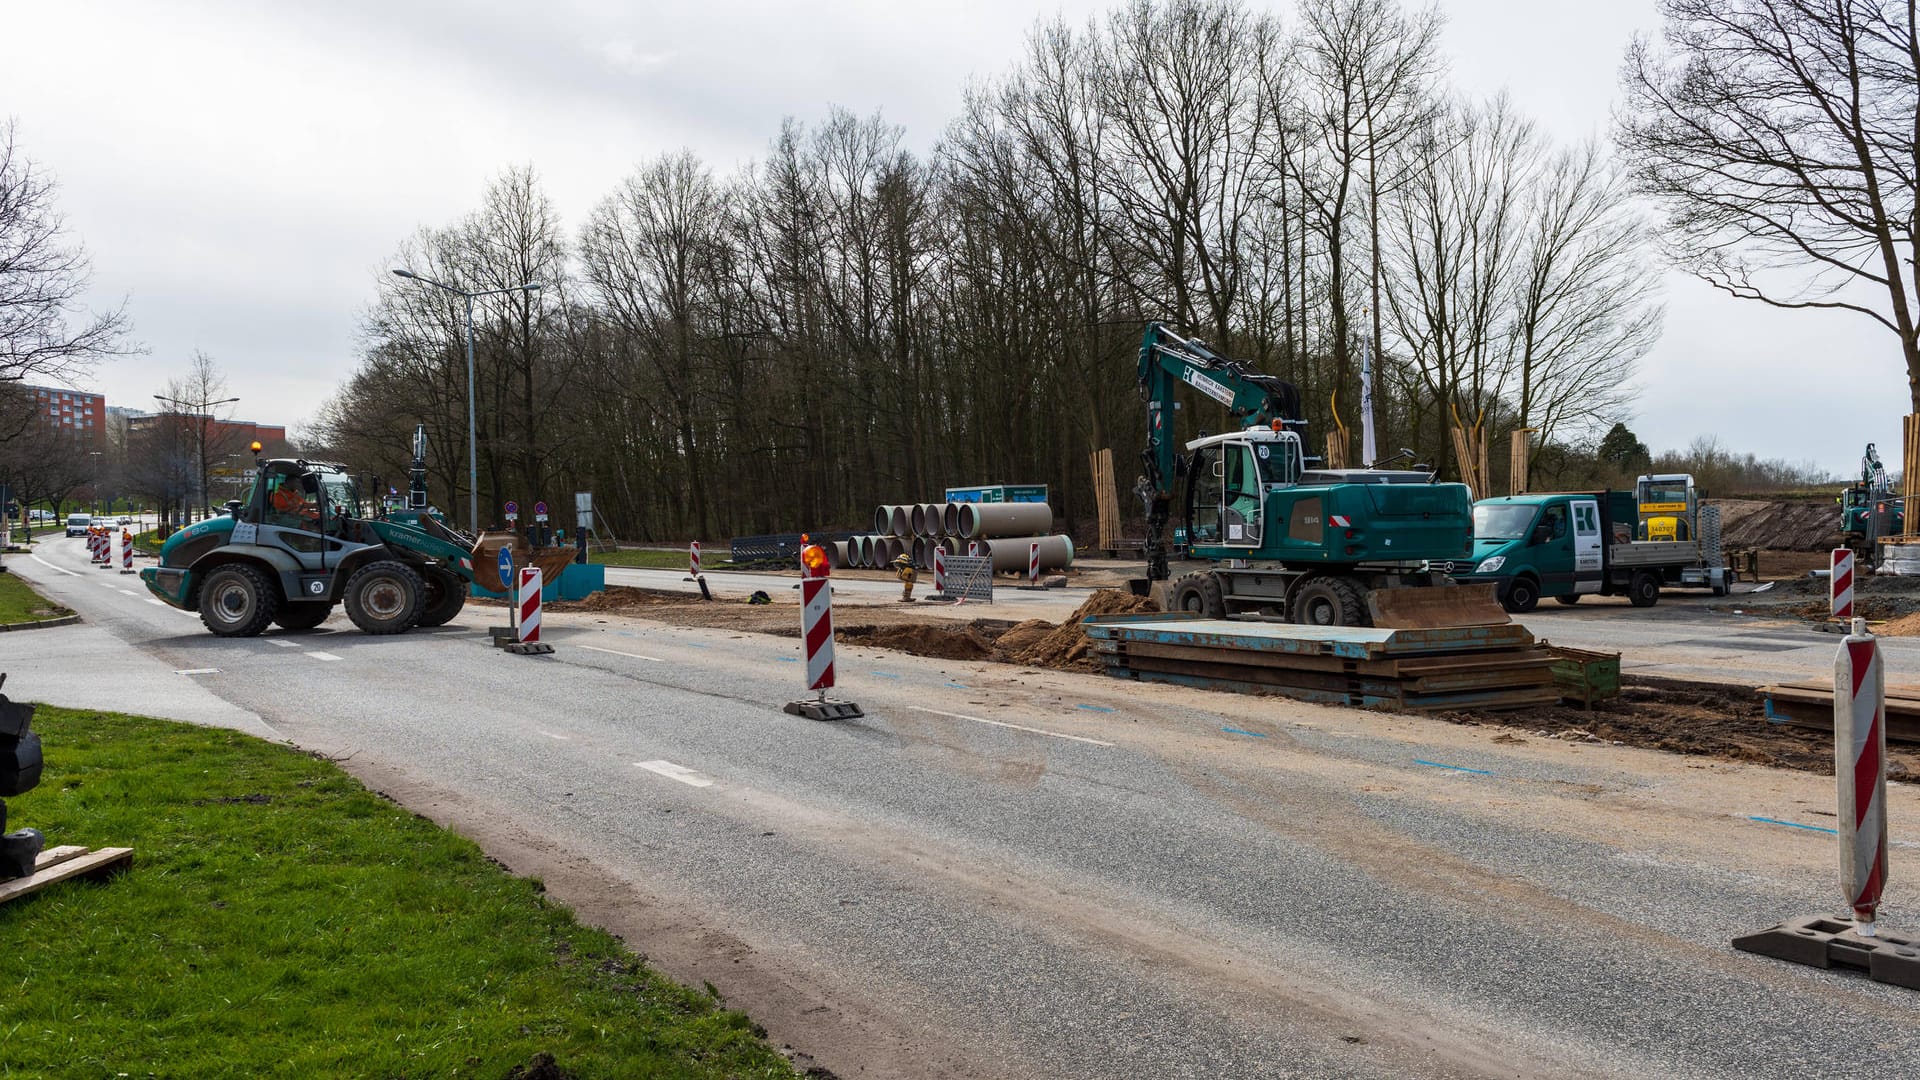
{"x":903,"y":560}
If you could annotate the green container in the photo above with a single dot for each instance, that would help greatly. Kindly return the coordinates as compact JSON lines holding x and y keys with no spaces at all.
{"x":1583,"y":676}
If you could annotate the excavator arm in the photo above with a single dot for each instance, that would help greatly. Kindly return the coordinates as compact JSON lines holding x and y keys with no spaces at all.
{"x":1167,"y":361}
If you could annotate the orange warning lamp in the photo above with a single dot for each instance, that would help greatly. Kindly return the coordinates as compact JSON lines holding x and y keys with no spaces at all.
{"x":813,"y":558}
{"x":256,"y":447}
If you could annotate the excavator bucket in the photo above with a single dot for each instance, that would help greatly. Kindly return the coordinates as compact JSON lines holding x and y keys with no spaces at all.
{"x":1436,"y":607}
{"x":486,"y":559}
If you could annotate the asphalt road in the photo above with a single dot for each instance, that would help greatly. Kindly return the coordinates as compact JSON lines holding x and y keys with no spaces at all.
{"x":1030,"y":874}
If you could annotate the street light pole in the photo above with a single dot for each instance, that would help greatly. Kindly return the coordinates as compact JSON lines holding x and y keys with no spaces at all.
{"x":473,"y":427}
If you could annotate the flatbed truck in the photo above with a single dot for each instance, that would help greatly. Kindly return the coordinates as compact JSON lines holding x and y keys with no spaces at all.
{"x":1573,"y":544}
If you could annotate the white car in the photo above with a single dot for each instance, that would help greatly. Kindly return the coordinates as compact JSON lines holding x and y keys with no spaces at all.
{"x":123,"y":520}
{"x":78,"y":524}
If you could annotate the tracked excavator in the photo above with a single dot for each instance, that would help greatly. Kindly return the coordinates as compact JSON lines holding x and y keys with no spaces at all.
{"x":1289,"y":541}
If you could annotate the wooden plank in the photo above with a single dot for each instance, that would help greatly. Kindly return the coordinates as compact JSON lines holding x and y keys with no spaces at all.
{"x":66,"y":864}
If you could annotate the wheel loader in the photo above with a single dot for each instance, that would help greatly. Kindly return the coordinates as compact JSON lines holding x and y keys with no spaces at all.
{"x":297,"y":545}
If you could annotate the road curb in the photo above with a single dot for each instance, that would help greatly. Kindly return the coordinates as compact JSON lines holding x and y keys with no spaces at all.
{"x":44,"y":624}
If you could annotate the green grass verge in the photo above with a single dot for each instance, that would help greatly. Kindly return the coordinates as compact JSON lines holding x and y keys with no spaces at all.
{"x":664,"y":560}
{"x":282,"y":920}
{"x":20,"y":604}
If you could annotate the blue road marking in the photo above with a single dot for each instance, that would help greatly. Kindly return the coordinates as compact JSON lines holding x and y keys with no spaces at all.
{"x":883,"y":674}
{"x":1237,"y":731}
{"x":1793,"y":825}
{"x":957,"y":685}
{"x":788,"y":659}
{"x":1094,"y":708}
{"x":1455,"y":768}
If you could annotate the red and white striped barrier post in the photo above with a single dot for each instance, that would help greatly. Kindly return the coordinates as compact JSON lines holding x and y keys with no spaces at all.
{"x":816,"y":636}
{"x":1033,"y":564}
{"x":126,"y":551}
{"x":1840,"y":583}
{"x":1860,"y":766}
{"x":693,"y":558}
{"x":940,"y":570}
{"x":973,"y":549}
{"x":529,"y":604}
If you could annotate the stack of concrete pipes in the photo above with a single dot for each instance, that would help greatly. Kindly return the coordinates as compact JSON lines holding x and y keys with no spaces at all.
{"x":1005,"y":532}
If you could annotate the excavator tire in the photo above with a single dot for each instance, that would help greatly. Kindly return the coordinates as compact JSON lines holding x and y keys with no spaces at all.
{"x":385,"y":597}
{"x":446,"y":594}
{"x":303,"y":614}
{"x":1199,"y":594}
{"x":1324,"y":600}
{"x":238,"y":600}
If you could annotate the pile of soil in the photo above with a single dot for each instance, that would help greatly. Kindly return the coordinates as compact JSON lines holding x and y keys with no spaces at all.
{"x":1689,"y":718}
{"x":974,"y":641}
{"x":1875,"y":597}
{"x":1066,"y":646}
{"x":1024,"y":636}
{"x":1783,"y":525}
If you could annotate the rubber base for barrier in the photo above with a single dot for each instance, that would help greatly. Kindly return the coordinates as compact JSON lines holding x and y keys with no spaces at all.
{"x":1823,"y":941}
{"x":503,"y":636}
{"x":528,"y":648}
{"x":825,"y":709}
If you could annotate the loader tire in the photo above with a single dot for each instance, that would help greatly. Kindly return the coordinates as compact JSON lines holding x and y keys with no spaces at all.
{"x":303,"y":614}
{"x":1569,"y":600}
{"x":385,"y":597}
{"x":1643,"y":590}
{"x":1330,"y":601}
{"x":446,"y":594}
{"x":238,"y":600}
{"x":1199,"y":594}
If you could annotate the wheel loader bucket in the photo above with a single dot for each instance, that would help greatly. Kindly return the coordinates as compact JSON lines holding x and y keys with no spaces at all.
{"x":1436,"y":607}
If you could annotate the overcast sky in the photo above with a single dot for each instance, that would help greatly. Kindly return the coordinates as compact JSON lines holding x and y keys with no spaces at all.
{"x":239,"y":171}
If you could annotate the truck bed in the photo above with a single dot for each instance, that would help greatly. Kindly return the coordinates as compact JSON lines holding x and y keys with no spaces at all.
{"x":1655,"y":553}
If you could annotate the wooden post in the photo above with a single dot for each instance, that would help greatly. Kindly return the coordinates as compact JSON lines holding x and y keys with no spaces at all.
{"x":1336,"y":449}
{"x":1469,"y":462}
{"x":1485,"y":473}
{"x":1106,"y":500}
{"x":1910,"y":474}
{"x":1519,"y":463}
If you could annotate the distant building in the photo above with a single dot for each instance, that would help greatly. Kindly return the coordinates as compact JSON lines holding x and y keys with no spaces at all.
{"x":236,"y":433}
{"x":76,"y":412}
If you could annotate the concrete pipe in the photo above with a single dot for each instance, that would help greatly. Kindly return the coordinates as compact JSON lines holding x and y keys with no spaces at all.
{"x":950,"y":519}
{"x":1009,"y":553}
{"x":937,"y":519}
{"x":857,"y":552}
{"x":989,"y":520}
{"x":883,"y":519}
{"x":870,"y":552}
{"x":900,"y":523}
{"x":917,"y":518}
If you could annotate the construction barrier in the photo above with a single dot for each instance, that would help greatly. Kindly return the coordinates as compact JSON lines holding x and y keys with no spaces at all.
{"x":939,"y":570}
{"x":126,"y":551}
{"x":1840,"y":583}
{"x":1860,"y":766}
{"x":529,"y":604}
{"x":970,"y":577}
{"x":693,"y":558}
{"x":1033,"y":564}
{"x":816,"y":636}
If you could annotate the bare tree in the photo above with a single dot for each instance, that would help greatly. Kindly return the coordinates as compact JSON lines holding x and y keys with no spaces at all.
{"x":44,"y":331}
{"x":1780,"y":137}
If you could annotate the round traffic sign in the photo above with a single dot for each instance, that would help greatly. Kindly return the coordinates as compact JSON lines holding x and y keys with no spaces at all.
{"x":512,"y":507}
{"x":540,"y":508}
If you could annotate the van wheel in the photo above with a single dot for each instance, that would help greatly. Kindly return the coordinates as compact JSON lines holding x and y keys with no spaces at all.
{"x":1570,"y":599}
{"x":238,"y":601}
{"x":1523,"y":595}
{"x":384,"y":597}
{"x":1643,"y":590}
{"x":1329,"y":601}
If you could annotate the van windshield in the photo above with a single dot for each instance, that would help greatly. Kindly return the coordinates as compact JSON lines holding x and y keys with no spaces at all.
{"x":1502,"y":521}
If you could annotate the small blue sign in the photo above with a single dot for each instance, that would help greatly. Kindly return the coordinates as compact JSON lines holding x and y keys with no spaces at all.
{"x":506,"y":568}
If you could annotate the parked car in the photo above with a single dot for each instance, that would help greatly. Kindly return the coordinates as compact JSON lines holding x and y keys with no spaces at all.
{"x":78,"y":524}
{"x":123,"y":520}
{"x":42,"y":515}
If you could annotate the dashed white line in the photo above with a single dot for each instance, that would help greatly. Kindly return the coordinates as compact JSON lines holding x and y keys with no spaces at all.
{"x":283,"y":643}
{"x":50,"y":566}
{"x":617,"y":652}
{"x":199,"y":671}
{"x":1016,"y":727}
{"x":108,"y":585}
{"x":323,"y":656}
{"x":676,"y":772}
{"x":128,"y":592}
{"x":562,"y":738}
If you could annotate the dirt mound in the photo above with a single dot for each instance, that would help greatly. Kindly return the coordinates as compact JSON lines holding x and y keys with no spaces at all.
{"x":1904,"y":626}
{"x":1066,"y":646}
{"x":621,"y":598}
{"x":966,"y":643}
{"x":1783,"y":525}
{"x":1690,"y":718}
{"x":1024,"y":635}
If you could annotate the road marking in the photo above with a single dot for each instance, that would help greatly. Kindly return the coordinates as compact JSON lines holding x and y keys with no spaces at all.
{"x":1237,"y":731}
{"x":154,"y":602}
{"x":957,"y":685}
{"x":1094,"y":708}
{"x":883,"y":674}
{"x":551,"y":735}
{"x":323,"y":656}
{"x":128,"y":592}
{"x":108,"y":585}
{"x":1455,"y":768}
{"x":283,"y":643}
{"x":1793,"y":824}
{"x":617,"y":652}
{"x":1016,"y":727}
{"x":675,"y":772}
{"x":199,"y":671}
{"x":50,"y":566}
